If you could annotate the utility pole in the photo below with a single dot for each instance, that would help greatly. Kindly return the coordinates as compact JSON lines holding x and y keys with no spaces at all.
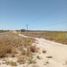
{"x":27,"y":27}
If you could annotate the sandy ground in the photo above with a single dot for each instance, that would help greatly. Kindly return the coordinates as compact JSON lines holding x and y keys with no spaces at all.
{"x":56,"y":51}
{"x":55,"y":55}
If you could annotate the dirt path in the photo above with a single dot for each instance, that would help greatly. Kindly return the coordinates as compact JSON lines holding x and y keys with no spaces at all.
{"x":56,"y":53}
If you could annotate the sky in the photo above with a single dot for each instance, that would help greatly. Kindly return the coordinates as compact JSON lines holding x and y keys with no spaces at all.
{"x":37,"y":14}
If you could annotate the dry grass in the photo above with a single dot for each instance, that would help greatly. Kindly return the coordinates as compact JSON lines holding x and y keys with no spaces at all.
{"x":60,"y":37}
{"x":11,"y":43}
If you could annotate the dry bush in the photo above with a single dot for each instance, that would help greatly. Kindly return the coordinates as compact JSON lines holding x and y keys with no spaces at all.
{"x":10,"y":43}
{"x":4,"y":49}
{"x":33,"y":49}
{"x":6,"y":44}
{"x":22,"y":59}
{"x":31,"y":60}
{"x":11,"y":63}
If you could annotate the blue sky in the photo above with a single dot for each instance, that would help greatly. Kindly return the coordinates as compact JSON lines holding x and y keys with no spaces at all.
{"x":38,"y":14}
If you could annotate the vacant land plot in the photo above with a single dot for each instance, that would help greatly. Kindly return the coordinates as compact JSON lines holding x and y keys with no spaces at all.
{"x":21,"y":51}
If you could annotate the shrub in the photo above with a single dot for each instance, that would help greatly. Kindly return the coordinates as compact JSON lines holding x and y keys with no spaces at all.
{"x":33,"y":49}
{"x":11,"y":63}
{"x":22,"y":59}
{"x":4,"y":50}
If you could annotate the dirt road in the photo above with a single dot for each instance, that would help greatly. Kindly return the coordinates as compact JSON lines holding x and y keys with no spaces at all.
{"x":56,"y":53}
